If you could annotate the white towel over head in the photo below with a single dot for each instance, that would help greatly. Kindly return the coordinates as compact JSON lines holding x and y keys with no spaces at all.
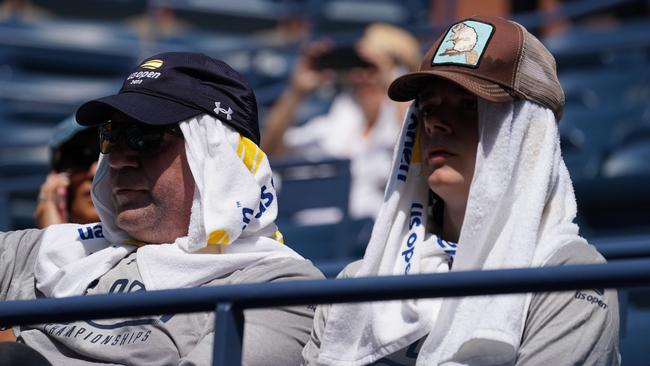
{"x":520,"y":211}
{"x":232,"y":223}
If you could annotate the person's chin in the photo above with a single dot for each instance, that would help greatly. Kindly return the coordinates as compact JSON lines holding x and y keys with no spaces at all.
{"x":132,"y":210}
{"x":129,"y":215}
{"x":444,"y":176}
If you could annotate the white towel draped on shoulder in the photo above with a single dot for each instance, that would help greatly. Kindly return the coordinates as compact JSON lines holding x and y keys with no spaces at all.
{"x":520,"y":211}
{"x":232,"y":224}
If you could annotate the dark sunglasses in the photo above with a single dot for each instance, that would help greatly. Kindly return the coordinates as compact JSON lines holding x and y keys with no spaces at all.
{"x":137,"y":136}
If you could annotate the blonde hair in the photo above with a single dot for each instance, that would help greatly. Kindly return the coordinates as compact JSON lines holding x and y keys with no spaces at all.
{"x":394,"y":41}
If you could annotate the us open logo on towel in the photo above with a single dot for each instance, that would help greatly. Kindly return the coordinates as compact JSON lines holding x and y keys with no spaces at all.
{"x":463,"y":44}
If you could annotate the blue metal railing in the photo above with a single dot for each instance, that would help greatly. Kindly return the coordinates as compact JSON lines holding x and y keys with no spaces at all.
{"x":613,"y":249}
{"x":231,"y":300}
{"x":625,"y":249}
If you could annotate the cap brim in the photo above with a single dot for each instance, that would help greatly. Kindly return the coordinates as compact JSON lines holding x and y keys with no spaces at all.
{"x":407,"y":87}
{"x":141,"y":107}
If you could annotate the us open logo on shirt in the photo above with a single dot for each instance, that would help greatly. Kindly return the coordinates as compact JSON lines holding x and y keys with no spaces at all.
{"x":464,"y":44}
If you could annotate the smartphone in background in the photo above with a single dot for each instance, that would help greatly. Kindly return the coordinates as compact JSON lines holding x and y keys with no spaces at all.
{"x":341,"y":58}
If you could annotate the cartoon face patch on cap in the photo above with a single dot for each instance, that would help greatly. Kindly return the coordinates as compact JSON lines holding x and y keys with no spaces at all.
{"x":463,"y":44}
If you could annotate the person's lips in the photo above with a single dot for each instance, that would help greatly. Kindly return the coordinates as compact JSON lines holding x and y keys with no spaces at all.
{"x":438,"y":154}
{"x":126,"y":191}
{"x":124,"y":195}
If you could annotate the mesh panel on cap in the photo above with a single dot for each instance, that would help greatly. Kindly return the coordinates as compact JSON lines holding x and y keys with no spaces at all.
{"x":537,"y":77}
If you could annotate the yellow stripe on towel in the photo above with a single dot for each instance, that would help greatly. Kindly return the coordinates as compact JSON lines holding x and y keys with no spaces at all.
{"x":250,"y":154}
{"x":259,"y":156}
{"x":218,"y":237}
{"x":137,"y":243}
{"x":278,"y":236}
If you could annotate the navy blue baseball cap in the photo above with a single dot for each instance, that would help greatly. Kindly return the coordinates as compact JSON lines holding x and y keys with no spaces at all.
{"x":174,"y":86}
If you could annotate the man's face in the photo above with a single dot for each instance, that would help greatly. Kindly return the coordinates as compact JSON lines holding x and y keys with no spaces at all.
{"x":449,"y":139}
{"x":153,"y":190}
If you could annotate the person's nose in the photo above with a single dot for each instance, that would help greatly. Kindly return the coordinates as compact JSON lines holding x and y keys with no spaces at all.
{"x":436,"y":118}
{"x":122,"y":157}
{"x":437,"y":123}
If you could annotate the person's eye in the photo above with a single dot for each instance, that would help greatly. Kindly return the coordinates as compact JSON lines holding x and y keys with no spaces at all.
{"x":469,"y":105}
{"x":427,"y":111}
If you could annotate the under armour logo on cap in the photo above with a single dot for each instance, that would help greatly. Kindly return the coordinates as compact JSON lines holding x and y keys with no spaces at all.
{"x":218,"y":110}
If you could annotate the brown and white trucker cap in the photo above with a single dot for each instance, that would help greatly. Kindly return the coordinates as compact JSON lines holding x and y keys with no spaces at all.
{"x":494,"y":58}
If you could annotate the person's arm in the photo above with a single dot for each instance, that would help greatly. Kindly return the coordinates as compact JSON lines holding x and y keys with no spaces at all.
{"x":574,"y":327}
{"x":312,"y":348}
{"x":17,"y":254}
{"x":305,"y":78}
{"x":272,"y":336}
{"x":18,"y":250}
{"x":281,"y":116}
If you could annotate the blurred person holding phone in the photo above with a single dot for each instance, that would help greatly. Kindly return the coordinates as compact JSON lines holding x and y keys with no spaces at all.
{"x":65,"y":194}
{"x":362,"y":124}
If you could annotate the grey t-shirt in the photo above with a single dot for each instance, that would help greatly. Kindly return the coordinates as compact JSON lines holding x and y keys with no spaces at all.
{"x":562,"y":328}
{"x":271,"y":336}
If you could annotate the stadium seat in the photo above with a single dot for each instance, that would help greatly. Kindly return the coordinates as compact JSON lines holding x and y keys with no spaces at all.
{"x":38,"y":96}
{"x":634,"y":332}
{"x":593,"y":88}
{"x":614,"y":205}
{"x":587,"y":134}
{"x":242,"y":16}
{"x":629,"y":159}
{"x":92,"y":49}
{"x":313,"y":206}
{"x":582,"y":47}
{"x":97,"y":10}
{"x":354,"y":15}
{"x":24,"y":163}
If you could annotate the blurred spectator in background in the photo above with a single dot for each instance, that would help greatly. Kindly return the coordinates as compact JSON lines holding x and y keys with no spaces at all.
{"x":159,"y":23}
{"x":290,"y":28}
{"x":21,"y":10}
{"x":65,"y":195}
{"x":362,"y":124}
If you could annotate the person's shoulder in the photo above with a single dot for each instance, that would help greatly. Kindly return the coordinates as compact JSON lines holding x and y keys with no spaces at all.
{"x":575,"y":253}
{"x":351,"y":269}
{"x":274,"y":269}
{"x":572,"y":327}
{"x":21,"y":236}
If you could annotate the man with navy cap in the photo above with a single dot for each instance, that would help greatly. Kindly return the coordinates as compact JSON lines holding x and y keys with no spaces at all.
{"x":185,"y":199}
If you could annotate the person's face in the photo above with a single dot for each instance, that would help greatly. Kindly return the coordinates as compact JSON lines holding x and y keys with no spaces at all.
{"x":82,"y":210}
{"x":152,"y":191}
{"x":449,"y":139}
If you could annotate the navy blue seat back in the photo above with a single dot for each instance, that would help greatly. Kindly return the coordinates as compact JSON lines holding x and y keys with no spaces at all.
{"x":313,"y":206}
